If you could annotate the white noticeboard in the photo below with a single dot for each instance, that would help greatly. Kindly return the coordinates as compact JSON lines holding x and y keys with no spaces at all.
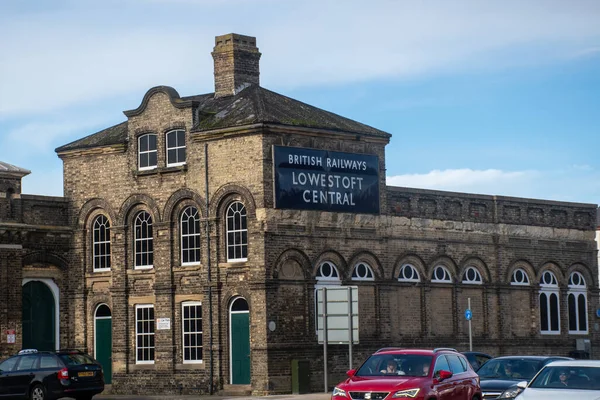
{"x":338,"y":313}
{"x":163,"y":323}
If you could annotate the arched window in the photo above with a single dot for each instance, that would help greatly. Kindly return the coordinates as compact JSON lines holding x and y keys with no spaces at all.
{"x":144,"y":246}
{"x":519,"y":278}
{"x":408,"y":273}
{"x":175,"y":148}
{"x":147,"y":153}
{"x":549,"y":305}
{"x":237,"y":233}
{"x":577,"y":300}
{"x":441,"y":275}
{"x":472,"y":276}
{"x":190,"y":236}
{"x":327,"y":275}
{"x":101,"y":244}
{"x":362,"y":272}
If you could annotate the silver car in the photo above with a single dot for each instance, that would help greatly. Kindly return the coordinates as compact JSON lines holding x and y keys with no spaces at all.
{"x":561,"y":380}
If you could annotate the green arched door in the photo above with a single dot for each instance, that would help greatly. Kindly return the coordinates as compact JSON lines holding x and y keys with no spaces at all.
{"x":103,"y":340}
{"x":39,"y":317}
{"x":239,"y":318}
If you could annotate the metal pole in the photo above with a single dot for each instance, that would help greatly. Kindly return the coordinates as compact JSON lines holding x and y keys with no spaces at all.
{"x":470,"y":332}
{"x":350,"y":332}
{"x":210,"y":305}
{"x":325,"y":337}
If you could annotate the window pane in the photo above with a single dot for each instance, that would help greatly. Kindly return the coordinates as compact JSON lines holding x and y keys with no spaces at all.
{"x":582,"y":312}
{"x":554,"y":312}
{"x":181,"y":154}
{"x":172,"y":156}
{"x":152,"y":159}
{"x":544,"y":312}
{"x":171,"y":139}
{"x":151,"y":142}
{"x":572,"y":313}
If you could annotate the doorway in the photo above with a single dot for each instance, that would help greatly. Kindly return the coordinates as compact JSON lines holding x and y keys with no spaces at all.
{"x":103,"y":340}
{"x":239,"y":331}
{"x":40,"y":315}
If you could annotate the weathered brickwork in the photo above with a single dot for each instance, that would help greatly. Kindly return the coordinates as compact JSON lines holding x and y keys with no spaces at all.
{"x":422,"y":228}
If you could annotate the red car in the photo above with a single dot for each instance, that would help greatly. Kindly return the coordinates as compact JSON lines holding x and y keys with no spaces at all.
{"x":439,"y":374}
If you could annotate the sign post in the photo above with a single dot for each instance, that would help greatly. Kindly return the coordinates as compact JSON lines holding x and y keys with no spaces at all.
{"x":469,"y":316}
{"x":325,"y":337}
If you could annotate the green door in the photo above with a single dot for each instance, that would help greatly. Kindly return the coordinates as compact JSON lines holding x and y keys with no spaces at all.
{"x":38,"y":317}
{"x":103,"y":350}
{"x":240,"y":343}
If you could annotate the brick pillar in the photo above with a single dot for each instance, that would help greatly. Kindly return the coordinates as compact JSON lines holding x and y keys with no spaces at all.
{"x":165,"y":295}
{"x":11,"y":277}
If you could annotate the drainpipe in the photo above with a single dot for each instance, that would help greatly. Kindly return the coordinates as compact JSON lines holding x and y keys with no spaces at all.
{"x":210,"y":307}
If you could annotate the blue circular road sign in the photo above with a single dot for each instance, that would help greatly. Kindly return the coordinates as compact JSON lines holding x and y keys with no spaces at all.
{"x":468,"y":314}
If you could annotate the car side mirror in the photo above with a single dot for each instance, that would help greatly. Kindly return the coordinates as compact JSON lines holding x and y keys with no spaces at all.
{"x":522,"y":384}
{"x":443,"y":374}
{"x":351,"y":373}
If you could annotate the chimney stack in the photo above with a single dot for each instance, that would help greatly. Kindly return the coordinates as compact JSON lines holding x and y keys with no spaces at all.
{"x":236,"y":63}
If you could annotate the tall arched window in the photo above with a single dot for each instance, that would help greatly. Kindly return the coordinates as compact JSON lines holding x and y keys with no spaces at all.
{"x":237,"y":232}
{"x":147,"y":153}
{"x":190,"y":236}
{"x":101,"y":244}
{"x":577,"y":300}
{"x":144,"y":246}
{"x":549,"y":305}
{"x":327,"y":275}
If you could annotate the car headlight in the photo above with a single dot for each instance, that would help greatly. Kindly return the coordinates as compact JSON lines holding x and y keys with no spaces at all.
{"x":406,"y":394}
{"x":510,"y":393}
{"x":338,"y":392}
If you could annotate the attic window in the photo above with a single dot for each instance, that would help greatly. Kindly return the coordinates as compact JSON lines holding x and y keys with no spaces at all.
{"x":147,"y":152}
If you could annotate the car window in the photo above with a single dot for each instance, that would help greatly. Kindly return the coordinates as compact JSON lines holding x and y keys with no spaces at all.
{"x":456,"y":367}
{"x":27,"y":362}
{"x":481,"y":359}
{"x":9,"y":364}
{"x":441,"y":364}
{"x":464,"y":362}
{"x":568,"y":378}
{"x":49,"y":361}
{"x":76,"y":359}
{"x":395,"y":364}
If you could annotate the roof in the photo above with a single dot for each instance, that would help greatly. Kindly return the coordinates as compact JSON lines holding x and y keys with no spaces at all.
{"x":535,"y":358}
{"x":13,"y":170}
{"x":252,"y":105}
{"x":575,"y":363}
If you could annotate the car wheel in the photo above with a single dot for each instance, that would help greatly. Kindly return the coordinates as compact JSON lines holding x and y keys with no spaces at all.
{"x":37,"y":393}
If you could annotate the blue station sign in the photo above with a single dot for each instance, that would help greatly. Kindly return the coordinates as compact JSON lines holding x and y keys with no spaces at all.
{"x":309,"y":179}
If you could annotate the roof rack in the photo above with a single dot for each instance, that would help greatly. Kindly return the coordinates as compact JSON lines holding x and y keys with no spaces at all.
{"x":28,"y":351}
{"x":444,"y":349}
{"x":389,"y":349}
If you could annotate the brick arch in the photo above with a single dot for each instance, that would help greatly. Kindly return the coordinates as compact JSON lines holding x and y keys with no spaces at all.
{"x":132,"y":201}
{"x":474,"y":261}
{"x":336,"y":258}
{"x":525,"y":266}
{"x":45,"y":257}
{"x":412,"y":259}
{"x":99,"y":298}
{"x":553,"y":267}
{"x":227,"y":193}
{"x":92,"y":205}
{"x":296,"y":255}
{"x":181,"y":195}
{"x":446,"y":262}
{"x":369,"y":258}
{"x":584,"y":270}
{"x":233,"y":292}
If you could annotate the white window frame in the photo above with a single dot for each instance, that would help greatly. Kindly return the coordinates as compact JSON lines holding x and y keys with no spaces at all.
{"x":183,"y":332}
{"x":196,"y":218}
{"x":413,"y":273}
{"x":513,"y":279}
{"x":140,"y":152}
{"x":176,"y":147}
{"x":578,"y":288}
{"x":447,"y":275}
{"x":104,"y":244}
{"x":478,"y":279}
{"x":332,"y":280}
{"x":137,"y":334}
{"x":369,"y":275}
{"x":240,"y":214}
{"x":149,"y":238}
{"x":549,"y":287}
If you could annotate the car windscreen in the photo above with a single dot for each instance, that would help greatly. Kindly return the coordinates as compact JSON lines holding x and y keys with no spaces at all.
{"x":517,"y":369}
{"x":560,"y":377}
{"x":395,"y":365}
{"x":76,"y":359}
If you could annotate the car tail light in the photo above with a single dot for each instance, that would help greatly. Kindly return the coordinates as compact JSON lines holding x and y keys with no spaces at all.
{"x":63,"y":374}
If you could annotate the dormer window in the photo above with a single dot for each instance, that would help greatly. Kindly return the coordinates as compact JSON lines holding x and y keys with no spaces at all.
{"x":147,"y":152}
{"x":175,"y":148}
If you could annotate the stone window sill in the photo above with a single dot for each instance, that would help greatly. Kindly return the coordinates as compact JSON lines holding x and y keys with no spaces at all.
{"x":161,"y":170}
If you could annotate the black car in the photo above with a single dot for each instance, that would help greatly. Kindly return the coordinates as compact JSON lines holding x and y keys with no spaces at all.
{"x":46,"y":375}
{"x":476,"y":358}
{"x":500,"y":375}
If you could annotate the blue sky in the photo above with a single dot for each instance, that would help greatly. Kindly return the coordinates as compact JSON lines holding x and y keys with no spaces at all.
{"x":494,"y":97}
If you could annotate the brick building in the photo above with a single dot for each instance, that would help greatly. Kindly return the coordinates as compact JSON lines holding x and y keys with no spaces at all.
{"x":196,"y":232}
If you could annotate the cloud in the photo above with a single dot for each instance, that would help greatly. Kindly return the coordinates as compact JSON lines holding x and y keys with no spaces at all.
{"x":86,"y":51}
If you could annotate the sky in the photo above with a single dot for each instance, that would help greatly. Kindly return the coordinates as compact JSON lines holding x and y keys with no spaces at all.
{"x":496,"y":97}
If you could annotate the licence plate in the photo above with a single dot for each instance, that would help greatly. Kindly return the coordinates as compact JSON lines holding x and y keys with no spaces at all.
{"x":89,"y":373}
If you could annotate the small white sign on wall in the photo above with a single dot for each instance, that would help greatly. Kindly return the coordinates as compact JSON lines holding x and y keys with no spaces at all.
{"x":163,"y":323}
